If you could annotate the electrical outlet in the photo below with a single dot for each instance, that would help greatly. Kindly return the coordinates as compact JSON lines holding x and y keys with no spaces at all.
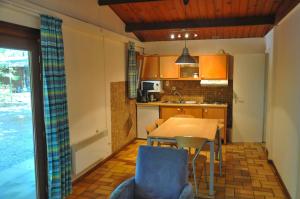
{"x":167,"y":83}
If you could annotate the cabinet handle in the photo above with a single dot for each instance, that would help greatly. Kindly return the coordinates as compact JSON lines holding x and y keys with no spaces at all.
{"x":178,"y":109}
{"x":205,"y":110}
{"x":155,"y":75}
{"x":161,"y":75}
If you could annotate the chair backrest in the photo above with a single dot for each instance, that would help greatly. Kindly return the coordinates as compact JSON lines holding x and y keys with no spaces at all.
{"x":159,"y":122}
{"x":150,"y":128}
{"x":184,"y":116}
{"x":190,"y":142}
{"x":160,"y":172}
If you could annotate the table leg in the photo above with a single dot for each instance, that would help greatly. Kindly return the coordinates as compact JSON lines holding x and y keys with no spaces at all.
{"x":212,"y":167}
{"x":220,"y":153}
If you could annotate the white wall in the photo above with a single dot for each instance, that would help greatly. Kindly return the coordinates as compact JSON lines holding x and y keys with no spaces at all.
{"x":94,"y":57}
{"x":115,"y":57}
{"x":284,"y":128}
{"x":269,"y":39}
{"x":232,"y":46}
{"x":84,"y":10}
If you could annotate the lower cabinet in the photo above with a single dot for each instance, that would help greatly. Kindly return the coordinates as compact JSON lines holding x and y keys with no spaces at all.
{"x":146,"y":115}
{"x":217,"y":113}
{"x":169,"y":111}
{"x":198,"y":112}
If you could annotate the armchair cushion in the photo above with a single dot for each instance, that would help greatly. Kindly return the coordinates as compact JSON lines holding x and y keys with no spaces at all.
{"x":161,"y":173}
{"x":125,"y":190}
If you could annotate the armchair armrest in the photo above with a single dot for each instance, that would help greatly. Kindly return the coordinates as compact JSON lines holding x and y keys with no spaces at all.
{"x":187,"y":192}
{"x":125,"y":190}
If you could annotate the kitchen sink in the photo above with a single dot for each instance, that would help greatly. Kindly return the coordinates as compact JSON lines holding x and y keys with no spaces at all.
{"x":180,"y":102}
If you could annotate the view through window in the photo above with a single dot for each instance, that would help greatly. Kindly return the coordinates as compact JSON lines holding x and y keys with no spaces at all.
{"x":17,"y":168}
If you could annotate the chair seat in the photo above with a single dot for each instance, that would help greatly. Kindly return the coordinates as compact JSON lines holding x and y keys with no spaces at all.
{"x":171,"y":144}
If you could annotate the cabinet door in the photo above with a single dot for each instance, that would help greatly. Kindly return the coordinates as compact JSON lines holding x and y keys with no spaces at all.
{"x":194,"y":111}
{"x":214,"y":67}
{"x":168,"y":68}
{"x":150,"y":69}
{"x":214,"y":113}
{"x":169,"y":111}
{"x":217,"y":113}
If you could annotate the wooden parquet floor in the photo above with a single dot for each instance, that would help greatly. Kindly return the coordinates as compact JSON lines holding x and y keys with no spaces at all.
{"x":246,"y":174}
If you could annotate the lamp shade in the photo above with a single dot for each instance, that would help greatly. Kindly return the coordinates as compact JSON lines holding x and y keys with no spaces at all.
{"x":185,"y":58}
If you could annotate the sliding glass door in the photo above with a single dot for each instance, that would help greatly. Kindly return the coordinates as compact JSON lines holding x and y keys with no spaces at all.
{"x":23,"y":168}
{"x":17,"y":159}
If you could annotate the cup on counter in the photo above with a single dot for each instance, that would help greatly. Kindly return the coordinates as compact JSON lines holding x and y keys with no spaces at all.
{"x":195,"y":75}
{"x":152,"y":98}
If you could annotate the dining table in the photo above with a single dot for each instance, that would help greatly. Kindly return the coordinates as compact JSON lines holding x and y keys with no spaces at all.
{"x":195,"y":127}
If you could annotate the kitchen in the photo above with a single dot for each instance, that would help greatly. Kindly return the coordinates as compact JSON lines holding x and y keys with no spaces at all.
{"x":151,"y":76}
{"x":179,"y":90}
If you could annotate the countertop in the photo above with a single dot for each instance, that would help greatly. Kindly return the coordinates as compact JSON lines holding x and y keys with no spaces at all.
{"x":178,"y":104}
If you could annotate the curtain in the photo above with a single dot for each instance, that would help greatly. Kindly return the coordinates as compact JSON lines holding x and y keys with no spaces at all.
{"x":132,"y":71}
{"x":55,"y":109}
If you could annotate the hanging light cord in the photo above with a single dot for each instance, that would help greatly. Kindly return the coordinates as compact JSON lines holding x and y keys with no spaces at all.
{"x":185,"y":2}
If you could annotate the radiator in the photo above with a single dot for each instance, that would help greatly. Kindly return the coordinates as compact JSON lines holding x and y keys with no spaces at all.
{"x":87,"y":153}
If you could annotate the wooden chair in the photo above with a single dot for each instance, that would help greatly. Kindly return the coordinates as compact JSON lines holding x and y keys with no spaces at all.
{"x":184,"y":116}
{"x":150,"y":128}
{"x":159,"y":122}
{"x":197,"y":144}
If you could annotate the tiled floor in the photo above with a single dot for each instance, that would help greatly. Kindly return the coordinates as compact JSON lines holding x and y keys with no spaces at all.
{"x":246,"y":174}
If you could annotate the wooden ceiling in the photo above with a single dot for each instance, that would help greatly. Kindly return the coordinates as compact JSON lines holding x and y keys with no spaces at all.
{"x":210,"y":19}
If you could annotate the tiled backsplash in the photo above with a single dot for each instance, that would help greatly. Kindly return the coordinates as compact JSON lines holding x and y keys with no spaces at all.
{"x":192,"y":90}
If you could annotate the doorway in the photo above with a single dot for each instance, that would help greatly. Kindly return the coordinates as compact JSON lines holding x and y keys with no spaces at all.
{"x":248,"y":97}
{"x":23,"y":165}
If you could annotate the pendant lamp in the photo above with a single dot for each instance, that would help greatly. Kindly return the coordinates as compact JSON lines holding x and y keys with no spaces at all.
{"x":185,"y":58}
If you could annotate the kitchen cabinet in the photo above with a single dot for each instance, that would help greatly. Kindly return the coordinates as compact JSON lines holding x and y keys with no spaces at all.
{"x":190,"y":72}
{"x":146,"y":115}
{"x":168,"y":68}
{"x":214,"y":67}
{"x":169,"y":111}
{"x":217,"y":113}
{"x":150,"y":68}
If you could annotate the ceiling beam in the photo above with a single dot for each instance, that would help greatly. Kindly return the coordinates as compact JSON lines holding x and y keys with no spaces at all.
{"x":201,"y":23}
{"x":285,"y":8}
{"x":111,"y":2}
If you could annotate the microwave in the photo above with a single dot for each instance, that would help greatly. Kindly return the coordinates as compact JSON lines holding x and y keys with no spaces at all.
{"x":151,"y":86}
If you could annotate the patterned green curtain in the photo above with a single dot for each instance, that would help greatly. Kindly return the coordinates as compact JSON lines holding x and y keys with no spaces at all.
{"x":132,"y":71}
{"x":55,"y":109}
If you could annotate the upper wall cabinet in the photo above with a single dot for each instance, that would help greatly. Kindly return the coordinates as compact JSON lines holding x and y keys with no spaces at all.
{"x":150,"y":68}
{"x":168,"y":68}
{"x":214,"y":67}
{"x":190,"y":72}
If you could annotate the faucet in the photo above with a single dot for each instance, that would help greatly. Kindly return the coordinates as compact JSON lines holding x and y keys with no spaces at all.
{"x":176,"y":92}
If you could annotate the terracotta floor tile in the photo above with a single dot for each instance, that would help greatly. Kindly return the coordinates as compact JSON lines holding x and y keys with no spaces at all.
{"x":246,"y":174}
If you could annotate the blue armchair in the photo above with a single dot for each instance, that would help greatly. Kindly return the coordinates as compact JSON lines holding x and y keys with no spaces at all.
{"x":161,"y":173}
